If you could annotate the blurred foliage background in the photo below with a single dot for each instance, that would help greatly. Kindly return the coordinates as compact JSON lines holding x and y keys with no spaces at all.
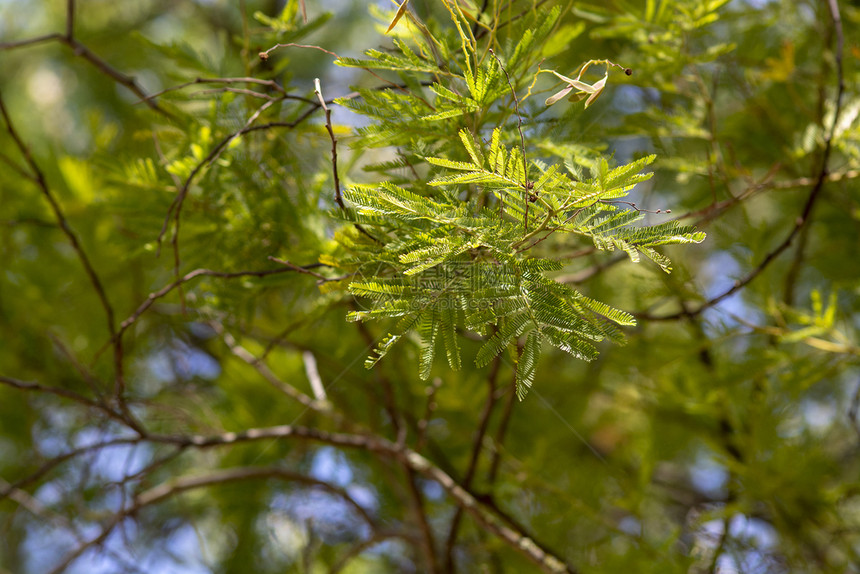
{"x":723,"y":437}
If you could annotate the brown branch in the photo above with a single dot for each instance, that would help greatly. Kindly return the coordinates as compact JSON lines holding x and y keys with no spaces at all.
{"x":428,"y":544}
{"x":74,"y":555}
{"x":151,"y":467}
{"x":175,"y":209}
{"x":177,"y":203}
{"x":210,"y":159}
{"x":429,"y":409}
{"x":298,"y":268}
{"x":501,"y":431}
{"x":70,"y":19}
{"x":416,"y":500}
{"x":28,"y":221}
{"x":156,"y":295}
{"x":36,"y":508}
{"x":31,"y":41}
{"x":359,"y":548}
{"x":338,"y":197}
{"x":260,"y":366}
{"x":477,"y":447}
{"x":513,"y":537}
{"x":59,"y":392}
{"x":72,"y":237}
{"x":240,"y":91}
{"x":797,"y":262}
{"x":81,"y":50}
{"x":178,"y":486}
{"x":713,"y":210}
{"x":519,"y":119}
{"x":173,"y":487}
{"x":265,"y":55}
{"x":47,"y":515}
{"x":56,"y":461}
{"x":247,"y":80}
{"x":120,"y":78}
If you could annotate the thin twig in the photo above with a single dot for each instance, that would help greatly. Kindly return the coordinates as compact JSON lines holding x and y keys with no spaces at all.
{"x":18,"y":169}
{"x":314,"y":378}
{"x":337,"y":193}
{"x":477,"y":448}
{"x":223,"y":476}
{"x":263,"y":369}
{"x":91,"y":380}
{"x":59,"y":215}
{"x":64,"y":393}
{"x":210,"y":159}
{"x":241,"y":91}
{"x":265,"y":55}
{"x":31,"y":41}
{"x":338,"y":196}
{"x":28,"y":221}
{"x":127,"y":81}
{"x":173,"y":212}
{"x":81,"y":50}
{"x":359,"y":548}
{"x":529,"y":196}
{"x":56,"y":461}
{"x":429,"y":409}
{"x":501,"y":431}
{"x":156,"y":295}
{"x":416,"y":498}
{"x":298,"y":268}
{"x":70,"y":19}
{"x":246,"y":80}
{"x":854,"y":411}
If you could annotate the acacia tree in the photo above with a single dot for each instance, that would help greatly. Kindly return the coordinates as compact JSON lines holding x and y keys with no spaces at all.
{"x":207,"y":236}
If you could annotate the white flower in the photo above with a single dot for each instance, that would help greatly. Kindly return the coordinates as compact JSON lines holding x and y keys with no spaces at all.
{"x":583,"y":89}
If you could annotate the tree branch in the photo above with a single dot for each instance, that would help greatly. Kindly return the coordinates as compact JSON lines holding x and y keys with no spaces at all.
{"x":477,"y":447}
{"x":59,"y":215}
{"x":175,"y":209}
{"x":241,"y":352}
{"x":171,"y":488}
{"x":380,"y":446}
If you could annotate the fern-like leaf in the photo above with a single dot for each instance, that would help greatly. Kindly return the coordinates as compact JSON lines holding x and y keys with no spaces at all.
{"x":527,"y":363}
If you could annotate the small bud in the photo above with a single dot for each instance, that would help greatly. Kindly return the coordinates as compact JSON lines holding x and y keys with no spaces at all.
{"x":628,"y":71}
{"x":264,"y":56}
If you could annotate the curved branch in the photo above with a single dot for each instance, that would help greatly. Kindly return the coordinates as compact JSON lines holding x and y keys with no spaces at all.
{"x":486,"y":517}
{"x":171,"y":488}
{"x":155,"y":295}
{"x":175,"y":209}
{"x":56,"y":461}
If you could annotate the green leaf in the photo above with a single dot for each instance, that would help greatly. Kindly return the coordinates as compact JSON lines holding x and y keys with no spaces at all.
{"x":527,"y":363}
{"x":427,"y":329}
